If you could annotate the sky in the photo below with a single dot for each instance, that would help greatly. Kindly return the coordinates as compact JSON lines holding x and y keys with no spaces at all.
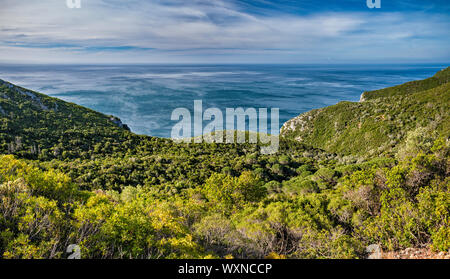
{"x":224,"y":31}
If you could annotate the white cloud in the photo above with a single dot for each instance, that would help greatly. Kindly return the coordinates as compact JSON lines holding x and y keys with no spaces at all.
{"x":209,"y":31}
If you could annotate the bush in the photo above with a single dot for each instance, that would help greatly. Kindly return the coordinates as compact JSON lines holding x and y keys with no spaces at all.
{"x":226,"y":192}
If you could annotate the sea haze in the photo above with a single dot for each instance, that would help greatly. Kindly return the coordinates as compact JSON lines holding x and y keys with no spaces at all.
{"x":144,"y":96}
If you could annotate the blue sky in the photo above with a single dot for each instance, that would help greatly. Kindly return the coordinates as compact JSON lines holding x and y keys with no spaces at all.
{"x":224,"y":31}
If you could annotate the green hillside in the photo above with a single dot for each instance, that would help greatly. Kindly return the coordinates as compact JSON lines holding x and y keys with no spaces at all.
{"x":33,"y":124}
{"x":381,"y":122}
{"x":440,"y":78}
{"x":70,"y":175}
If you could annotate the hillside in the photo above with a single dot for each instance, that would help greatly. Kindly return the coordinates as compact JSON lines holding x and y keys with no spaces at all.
{"x":380,"y":122}
{"x":31,"y":123}
{"x":70,"y":175}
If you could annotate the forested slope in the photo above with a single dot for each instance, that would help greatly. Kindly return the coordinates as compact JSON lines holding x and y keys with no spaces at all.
{"x":379,"y":123}
{"x":35,"y":125}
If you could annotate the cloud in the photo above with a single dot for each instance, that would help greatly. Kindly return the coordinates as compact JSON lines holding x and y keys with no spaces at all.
{"x":210,"y":31}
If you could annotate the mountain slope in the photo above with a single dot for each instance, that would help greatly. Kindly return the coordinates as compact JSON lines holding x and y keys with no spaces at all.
{"x":379,"y":123}
{"x":440,"y":78}
{"x":31,"y":123}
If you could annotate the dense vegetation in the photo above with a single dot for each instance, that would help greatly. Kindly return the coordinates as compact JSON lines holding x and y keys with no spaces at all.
{"x":69,"y":175}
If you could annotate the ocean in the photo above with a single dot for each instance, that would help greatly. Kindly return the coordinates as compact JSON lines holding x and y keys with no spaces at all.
{"x":144,"y":96}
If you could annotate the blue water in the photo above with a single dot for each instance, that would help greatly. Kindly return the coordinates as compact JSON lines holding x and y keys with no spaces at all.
{"x":144,"y":96}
